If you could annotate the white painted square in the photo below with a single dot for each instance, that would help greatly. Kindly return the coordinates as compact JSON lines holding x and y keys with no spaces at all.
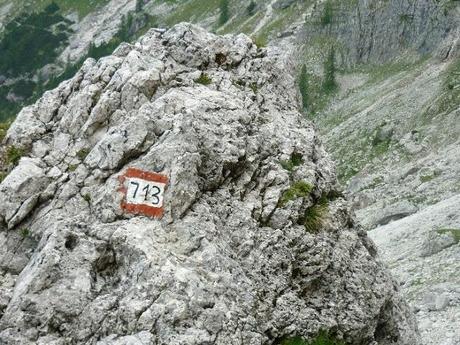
{"x":144,"y":192}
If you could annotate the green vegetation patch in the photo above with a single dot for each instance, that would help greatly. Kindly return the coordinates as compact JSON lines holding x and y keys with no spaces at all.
{"x":32,"y":35}
{"x":204,"y":79}
{"x":87,"y":197}
{"x":300,"y":189}
{"x":43,"y":35}
{"x":329,"y":68}
{"x":4,"y":126}
{"x":13,"y":155}
{"x":260,"y":41}
{"x":429,"y":177}
{"x":29,"y":42}
{"x":82,"y":154}
{"x":24,"y":232}
{"x":314,"y":217}
{"x":455,"y":233}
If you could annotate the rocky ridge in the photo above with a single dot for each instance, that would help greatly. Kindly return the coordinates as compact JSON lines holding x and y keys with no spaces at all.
{"x":233,"y":260}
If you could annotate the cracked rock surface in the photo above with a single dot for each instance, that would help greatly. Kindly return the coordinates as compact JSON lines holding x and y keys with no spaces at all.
{"x":228,"y":263}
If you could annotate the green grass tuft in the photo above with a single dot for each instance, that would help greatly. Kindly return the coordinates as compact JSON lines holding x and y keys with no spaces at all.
{"x":13,"y":155}
{"x":4,"y":126}
{"x":314,"y":216}
{"x":254,"y":87}
{"x":24,"y":233}
{"x":429,"y":177}
{"x":82,"y":154}
{"x":204,"y":79}
{"x":300,"y":189}
{"x":87,"y":197}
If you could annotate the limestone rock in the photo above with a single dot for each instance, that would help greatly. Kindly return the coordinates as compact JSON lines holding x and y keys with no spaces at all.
{"x":228,"y":263}
{"x":424,"y":257}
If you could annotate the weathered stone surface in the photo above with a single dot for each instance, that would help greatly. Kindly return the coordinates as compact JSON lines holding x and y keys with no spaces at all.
{"x":380,"y":31}
{"x":227,"y":264}
{"x":426,"y":260}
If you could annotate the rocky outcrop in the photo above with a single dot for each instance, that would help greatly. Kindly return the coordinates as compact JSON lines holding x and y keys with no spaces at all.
{"x":255,"y":244}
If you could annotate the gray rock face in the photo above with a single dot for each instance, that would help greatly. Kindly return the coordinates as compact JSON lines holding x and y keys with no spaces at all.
{"x":282,"y":4}
{"x":423,"y":253}
{"x":373,"y":31}
{"x":228,"y":263}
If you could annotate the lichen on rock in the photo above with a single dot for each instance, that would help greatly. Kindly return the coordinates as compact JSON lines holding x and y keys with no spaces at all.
{"x":228,"y":263}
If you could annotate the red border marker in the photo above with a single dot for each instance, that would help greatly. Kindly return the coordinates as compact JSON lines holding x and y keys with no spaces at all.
{"x":146,"y":210}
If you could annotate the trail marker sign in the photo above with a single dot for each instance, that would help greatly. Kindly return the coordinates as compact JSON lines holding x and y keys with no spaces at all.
{"x":143,"y":192}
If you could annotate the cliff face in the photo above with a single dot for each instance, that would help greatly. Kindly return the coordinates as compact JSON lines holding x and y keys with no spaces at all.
{"x":375,"y":32}
{"x":391,"y":126}
{"x":255,"y":243}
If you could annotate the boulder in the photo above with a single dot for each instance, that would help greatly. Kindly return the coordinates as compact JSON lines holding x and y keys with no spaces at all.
{"x":255,"y":244}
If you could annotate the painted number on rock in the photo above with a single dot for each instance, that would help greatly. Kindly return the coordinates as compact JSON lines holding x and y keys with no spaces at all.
{"x":143,"y":192}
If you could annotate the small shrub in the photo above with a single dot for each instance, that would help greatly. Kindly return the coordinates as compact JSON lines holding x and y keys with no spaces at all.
{"x":314,"y":216}
{"x":204,"y":79}
{"x":295,"y":161}
{"x":254,"y":87}
{"x":329,"y":82}
{"x":2,"y":176}
{"x":298,"y":190}
{"x":87,"y":197}
{"x":82,"y":154}
{"x":24,"y":233}
{"x":73,"y":167}
{"x":13,"y":155}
